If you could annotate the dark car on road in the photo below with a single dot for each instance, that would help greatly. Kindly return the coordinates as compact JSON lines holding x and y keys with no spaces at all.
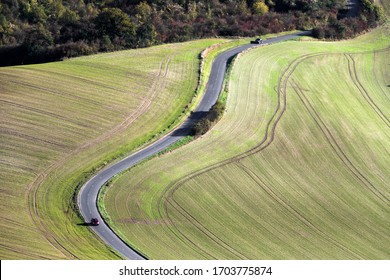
{"x":94,"y":222}
{"x":257,"y":41}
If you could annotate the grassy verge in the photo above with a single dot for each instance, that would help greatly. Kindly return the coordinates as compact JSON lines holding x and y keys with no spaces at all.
{"x":309,"y":120}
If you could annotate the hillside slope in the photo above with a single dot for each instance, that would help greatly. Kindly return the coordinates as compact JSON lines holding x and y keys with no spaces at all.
{"x":61,"y":121}
{"x":296,"y":169}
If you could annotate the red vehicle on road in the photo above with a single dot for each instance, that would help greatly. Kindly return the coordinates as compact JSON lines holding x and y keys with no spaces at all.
{"x":94,"y":222}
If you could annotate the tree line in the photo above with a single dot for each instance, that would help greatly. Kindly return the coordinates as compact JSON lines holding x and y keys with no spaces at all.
{"x":34,"y":31}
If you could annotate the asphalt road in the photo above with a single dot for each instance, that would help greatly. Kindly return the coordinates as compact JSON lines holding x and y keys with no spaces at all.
{"x":87,"y":199}
{"x":353,"y":8}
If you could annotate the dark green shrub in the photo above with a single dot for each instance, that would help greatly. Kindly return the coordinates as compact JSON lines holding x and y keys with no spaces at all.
{"x":201,"y":127}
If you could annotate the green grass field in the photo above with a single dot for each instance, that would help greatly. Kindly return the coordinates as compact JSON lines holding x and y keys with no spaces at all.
{"x":386,"y":6}
{"x":62,"y":121}
{"x":297,"y":168}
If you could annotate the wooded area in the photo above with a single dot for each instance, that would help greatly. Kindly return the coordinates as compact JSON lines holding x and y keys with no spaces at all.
{"x":45,"y":30}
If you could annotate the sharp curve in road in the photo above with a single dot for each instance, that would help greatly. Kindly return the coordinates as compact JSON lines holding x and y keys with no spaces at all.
{"x":88,"y":195}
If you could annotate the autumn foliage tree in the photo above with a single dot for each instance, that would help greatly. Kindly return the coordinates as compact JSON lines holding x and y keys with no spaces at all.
{"x":260,"y":8}
{"x":45,"y":30}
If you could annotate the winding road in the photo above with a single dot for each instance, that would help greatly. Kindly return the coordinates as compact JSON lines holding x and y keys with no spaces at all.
{"x":88,"y":195}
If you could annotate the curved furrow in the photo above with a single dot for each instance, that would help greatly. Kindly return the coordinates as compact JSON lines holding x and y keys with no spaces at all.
{"x":266,"y":141}
{"x":35,"y":185}
{"x":291,"y":209}
{"x":376,"y":79}
{"x":167,"y":195}
{"x":362,"y":90}
{"x":337,"y":148}
{"x":201,"y":227}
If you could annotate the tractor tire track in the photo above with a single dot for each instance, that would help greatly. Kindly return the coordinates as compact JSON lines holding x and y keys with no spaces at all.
{"x":374,"y":75}
{"x":167,"y":195}
{"x":44,"y":113}
{"x":17,"y":165}
{"x":201,"y":227}
{"x":165,"y":218}
{"x":337,"y":148}
{"x":24,"y":253}
{"x":15,"y":133}
{"x":40,"y":178}
{"x":80,"y":79}
{"x":292,"y":210}
{"x":362,"y":90}
{"x":266,"y":141}
{"x":53,"y":92}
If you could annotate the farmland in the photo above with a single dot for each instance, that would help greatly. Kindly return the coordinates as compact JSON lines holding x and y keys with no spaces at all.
{"x":386,"y":6}
{"x":60,"y":122}
{"x":297,"y":168}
